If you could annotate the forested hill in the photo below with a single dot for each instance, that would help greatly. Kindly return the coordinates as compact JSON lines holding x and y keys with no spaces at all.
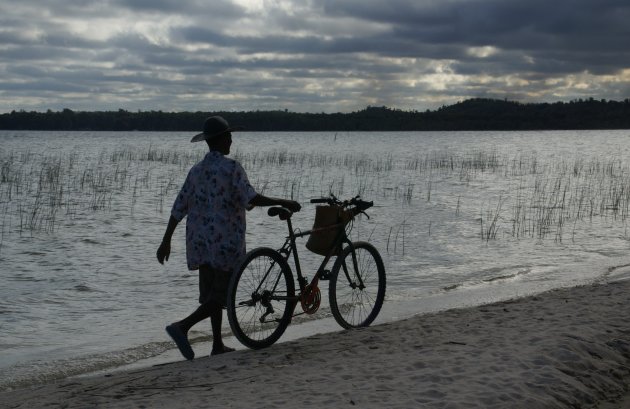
{"x":472,"y":114}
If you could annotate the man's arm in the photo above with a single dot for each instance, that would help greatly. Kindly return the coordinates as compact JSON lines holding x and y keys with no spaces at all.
{"x":260,"y":200}
{"x":164,"y":251}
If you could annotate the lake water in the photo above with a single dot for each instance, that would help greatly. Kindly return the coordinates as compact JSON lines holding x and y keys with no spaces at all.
{"x":460,"y":218}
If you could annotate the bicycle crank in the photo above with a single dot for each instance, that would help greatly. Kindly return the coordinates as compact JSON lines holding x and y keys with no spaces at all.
{"x":311,"y":299}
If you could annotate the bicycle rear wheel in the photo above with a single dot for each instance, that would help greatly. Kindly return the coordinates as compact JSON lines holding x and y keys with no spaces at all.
{"x":357,"y":285}
{"x":260,"y":298}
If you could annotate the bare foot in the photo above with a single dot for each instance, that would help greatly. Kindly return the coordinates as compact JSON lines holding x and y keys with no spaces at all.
{"x":222,"y":350}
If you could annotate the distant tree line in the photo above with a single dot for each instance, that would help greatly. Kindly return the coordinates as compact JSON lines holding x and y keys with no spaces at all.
{"x":472,"y":114}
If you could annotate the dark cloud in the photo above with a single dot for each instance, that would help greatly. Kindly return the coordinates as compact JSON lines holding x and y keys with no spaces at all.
{"x":580,"y":32}
{"x":320,"y":55}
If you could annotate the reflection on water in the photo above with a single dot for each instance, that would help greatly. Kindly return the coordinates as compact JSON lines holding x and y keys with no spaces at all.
{"x":465,"y":216}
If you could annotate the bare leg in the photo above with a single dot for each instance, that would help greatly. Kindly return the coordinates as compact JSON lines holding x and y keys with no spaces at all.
{"x":216,"y":318}
{"x":201,"y":313}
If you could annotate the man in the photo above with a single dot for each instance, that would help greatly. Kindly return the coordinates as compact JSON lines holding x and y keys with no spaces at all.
{"x":214,"y":197}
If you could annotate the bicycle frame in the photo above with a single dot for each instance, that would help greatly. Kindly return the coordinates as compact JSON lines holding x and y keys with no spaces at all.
{"x":289,"y":247}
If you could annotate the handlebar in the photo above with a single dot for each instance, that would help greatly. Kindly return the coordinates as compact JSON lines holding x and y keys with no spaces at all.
{"x":360,"y":205}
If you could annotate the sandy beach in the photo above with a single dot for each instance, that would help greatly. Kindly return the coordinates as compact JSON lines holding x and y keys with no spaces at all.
{"x":568,"y":348}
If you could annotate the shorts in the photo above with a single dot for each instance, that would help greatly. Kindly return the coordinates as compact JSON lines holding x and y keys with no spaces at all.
{"x":213,"y":285}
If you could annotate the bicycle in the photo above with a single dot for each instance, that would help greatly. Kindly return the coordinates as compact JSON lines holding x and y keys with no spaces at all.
{"x":261,"y":297}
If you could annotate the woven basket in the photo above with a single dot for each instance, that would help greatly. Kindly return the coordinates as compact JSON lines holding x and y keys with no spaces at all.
{"x":329,"y":221}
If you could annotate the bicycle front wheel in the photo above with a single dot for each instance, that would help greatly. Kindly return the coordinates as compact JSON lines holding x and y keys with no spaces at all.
{"x":261,"y":298}
{"x":357,"y":285}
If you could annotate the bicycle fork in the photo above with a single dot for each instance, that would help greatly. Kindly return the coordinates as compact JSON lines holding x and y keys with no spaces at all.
{"x":355,"y":265}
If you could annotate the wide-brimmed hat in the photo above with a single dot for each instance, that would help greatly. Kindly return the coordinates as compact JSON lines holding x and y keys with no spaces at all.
{"x":213,"y":127}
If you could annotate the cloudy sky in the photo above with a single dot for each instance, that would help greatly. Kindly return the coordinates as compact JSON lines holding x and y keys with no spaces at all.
{"x":308,"y":55}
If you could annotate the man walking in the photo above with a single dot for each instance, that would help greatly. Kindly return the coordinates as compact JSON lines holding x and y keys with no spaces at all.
{"x":214,"y":198}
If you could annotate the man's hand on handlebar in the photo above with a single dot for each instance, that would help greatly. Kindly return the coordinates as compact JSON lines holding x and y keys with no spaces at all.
{"x":292,"y":205}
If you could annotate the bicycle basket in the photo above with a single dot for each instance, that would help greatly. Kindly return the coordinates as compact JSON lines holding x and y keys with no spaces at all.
{"x":329,"y":221}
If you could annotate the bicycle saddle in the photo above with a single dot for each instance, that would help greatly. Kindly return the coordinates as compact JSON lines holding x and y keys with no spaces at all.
{"x":281,"y":212}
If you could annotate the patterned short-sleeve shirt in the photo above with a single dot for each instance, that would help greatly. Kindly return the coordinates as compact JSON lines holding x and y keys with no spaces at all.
{"x":215,"y":195}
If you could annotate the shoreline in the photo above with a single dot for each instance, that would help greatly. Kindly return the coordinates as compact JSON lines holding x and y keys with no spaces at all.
{"x":563,"y":348}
